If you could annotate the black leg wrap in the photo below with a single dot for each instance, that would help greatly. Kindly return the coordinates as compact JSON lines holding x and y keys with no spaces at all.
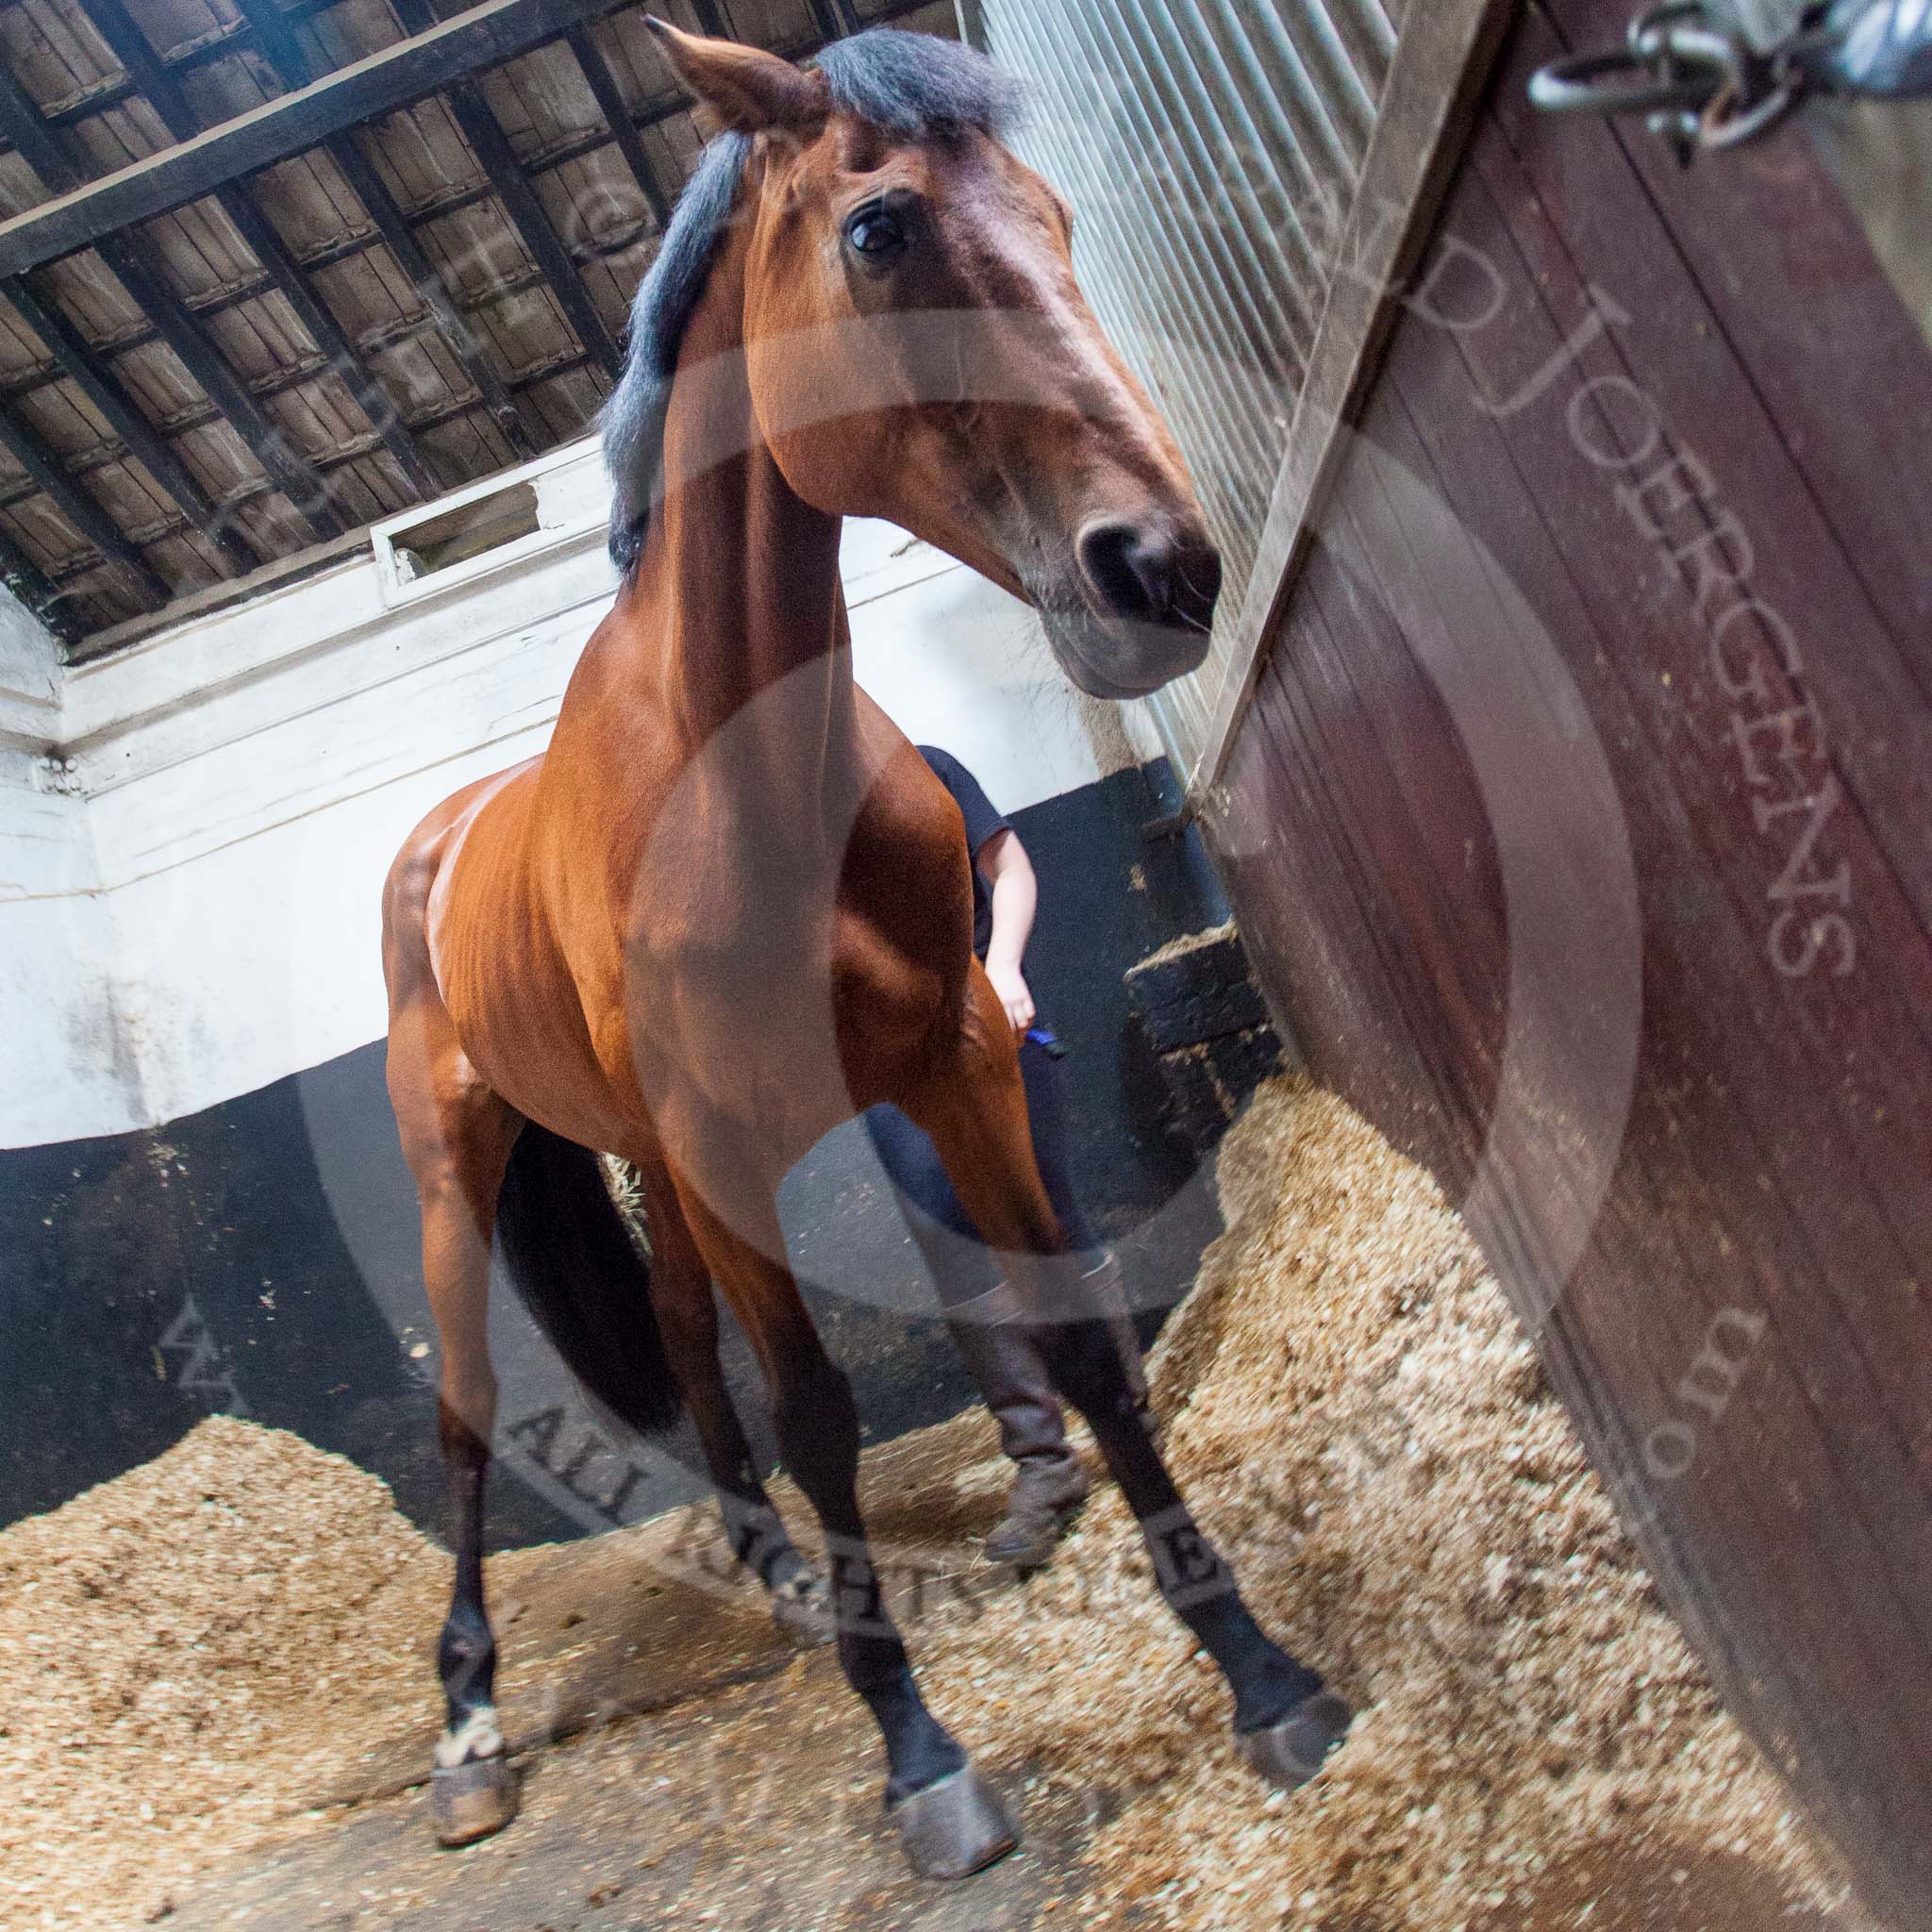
{"x":759,"y":1538}
{"x":466,"y":1662}
{"x":476,"y":1794}
{"x":818,"y":1430}
{"x":1267,"y":1682}
{"x":919,"y":1750}
{"x":1270,"y":1686}
{"x":1084,"y":1359}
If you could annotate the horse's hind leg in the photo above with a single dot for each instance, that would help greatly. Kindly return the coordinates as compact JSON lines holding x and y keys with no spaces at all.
{"x":950,"y":1824}
{"x":687,"y":1320}
{"x":456,"y":1136}
{"x":1284,"y":1720}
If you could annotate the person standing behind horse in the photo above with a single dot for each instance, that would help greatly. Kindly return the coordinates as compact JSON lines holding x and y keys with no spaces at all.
{"x":1049,"y":1483}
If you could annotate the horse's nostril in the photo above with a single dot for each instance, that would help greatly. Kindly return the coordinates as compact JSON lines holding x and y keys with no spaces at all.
{"x":1132,"y":576}
{"x":1150,"y":578}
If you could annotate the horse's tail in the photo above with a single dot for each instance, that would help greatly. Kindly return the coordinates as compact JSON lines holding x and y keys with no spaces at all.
{"x":583,"y":1277}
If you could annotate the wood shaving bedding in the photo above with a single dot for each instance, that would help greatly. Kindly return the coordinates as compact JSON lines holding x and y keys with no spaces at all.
{"x":186,"y":1652}
{"x":1354,"y":1414}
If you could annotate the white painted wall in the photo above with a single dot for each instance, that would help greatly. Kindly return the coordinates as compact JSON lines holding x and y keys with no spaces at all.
{"x":190,"y":910}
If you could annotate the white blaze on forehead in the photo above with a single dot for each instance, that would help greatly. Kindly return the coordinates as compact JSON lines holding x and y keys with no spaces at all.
{"x":477,"y":1735}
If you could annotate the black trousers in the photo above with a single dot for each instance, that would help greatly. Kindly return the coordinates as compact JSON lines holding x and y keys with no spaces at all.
{"x":962,"y":1265}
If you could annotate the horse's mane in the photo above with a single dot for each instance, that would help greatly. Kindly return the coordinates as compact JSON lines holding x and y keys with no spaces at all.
{"x":914,"y":86}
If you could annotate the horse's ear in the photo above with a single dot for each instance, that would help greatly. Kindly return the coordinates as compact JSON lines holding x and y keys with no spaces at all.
{"x":745,"y":88}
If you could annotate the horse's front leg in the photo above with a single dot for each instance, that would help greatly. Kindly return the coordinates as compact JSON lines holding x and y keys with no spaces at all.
{"x":687,"y":1320}
{"x":950,"y":1822}
{"x":975,"y":1111}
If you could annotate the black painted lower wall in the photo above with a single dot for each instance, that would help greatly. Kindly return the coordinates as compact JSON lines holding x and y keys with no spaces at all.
{"x":261,"y":1257}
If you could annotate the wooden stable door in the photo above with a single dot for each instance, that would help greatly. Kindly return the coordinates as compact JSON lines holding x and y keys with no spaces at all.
{"x":1579,"y":822}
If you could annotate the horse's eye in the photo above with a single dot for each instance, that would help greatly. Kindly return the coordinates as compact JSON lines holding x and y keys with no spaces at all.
{"x":876,"y":233}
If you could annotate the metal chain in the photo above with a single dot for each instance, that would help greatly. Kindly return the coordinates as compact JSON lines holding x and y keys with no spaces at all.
{"x":1694,"y":71}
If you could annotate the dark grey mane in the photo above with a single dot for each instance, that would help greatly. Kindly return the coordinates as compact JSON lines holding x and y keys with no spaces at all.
{"x":914,"y":86}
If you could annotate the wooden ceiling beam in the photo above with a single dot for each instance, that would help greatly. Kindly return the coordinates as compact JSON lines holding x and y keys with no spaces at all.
{"x":836,"y":18}
{"x":423,"y":64}
{"x":480,"y":128}
{"x":650,"y":115}
{"x":256,"y":488}
{"x":32,"y":139}
{"x":438,"y":297}
{"x":289,"y":468}
{"x":81,"y":509}
{"x":275,"y":36}
{"x":133,"y":260}
{"x":439,"y":57}
{"x":618,"y":117}
{"x":33,"y":587}
{"x":143,"y":442}
{"x":371,"y":342}
{"x":544,"y":245}
{"x":43,"y":149}
{"x":285,"y":54}
{"x":137,"y":53}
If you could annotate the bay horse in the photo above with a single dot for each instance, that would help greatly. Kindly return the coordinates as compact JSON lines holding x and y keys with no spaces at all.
{"x":730,"y":907}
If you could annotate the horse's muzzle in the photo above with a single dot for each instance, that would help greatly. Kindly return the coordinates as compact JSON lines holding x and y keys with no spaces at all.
{"x":1120,"y":662}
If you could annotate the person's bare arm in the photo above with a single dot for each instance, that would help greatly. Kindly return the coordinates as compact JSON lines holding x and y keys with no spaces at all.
{"x":1015,"y":898}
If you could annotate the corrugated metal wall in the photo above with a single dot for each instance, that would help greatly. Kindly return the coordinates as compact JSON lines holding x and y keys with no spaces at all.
{"x":1213,"y":151}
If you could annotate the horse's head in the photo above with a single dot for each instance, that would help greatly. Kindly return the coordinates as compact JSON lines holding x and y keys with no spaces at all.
{"x":918,"y":349}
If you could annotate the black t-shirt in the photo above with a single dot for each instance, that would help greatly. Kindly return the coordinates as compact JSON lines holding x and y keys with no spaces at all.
{"x":982,"y":821}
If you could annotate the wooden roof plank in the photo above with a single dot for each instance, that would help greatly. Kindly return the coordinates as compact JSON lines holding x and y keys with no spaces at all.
{"x":435,"y":296}
{"x":34,"y":588}
{"x":39,"y":459}
{"x":135,"y":263}
{"x":645,"y":118}
{"x":292,"y":469}
{"x":72,"y":353}
{"x":319,"y":320}
{"x":284,"y":52}
{"x":534,"y":227}
{"x":201,"y":165}
{"x":136,"y":53}
{"x":42,"y":148}
{"x":32,"y":138}
{"x":481,"y":129}
{"x":617,"y":116}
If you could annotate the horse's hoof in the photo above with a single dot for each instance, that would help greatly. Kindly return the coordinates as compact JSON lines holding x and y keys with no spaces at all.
{"x":954,"y":1828}
{"x":1289,"y":1753}
{"x":802,"y":1609}
{"x":470,"y":1801}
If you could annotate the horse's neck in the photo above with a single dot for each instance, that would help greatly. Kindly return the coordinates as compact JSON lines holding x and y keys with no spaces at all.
{"x":739,"y":600}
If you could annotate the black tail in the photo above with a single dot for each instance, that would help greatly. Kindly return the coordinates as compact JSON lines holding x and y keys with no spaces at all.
{"x":582,"y":1277}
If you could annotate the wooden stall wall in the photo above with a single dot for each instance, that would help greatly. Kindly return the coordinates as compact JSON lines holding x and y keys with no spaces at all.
{"x":1578,"y":827}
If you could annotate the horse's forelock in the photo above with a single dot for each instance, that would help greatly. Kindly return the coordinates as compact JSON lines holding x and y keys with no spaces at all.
{"x":917,"y":86}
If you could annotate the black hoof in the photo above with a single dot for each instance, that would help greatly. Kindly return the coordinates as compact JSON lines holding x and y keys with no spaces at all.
{"x":1289,"y":1753}
{"x":802,"y":1609}
{"x":470,"y":1801}
{"x":954,"y":1828}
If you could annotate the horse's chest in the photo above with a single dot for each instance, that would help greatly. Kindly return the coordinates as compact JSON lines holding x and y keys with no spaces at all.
{"x":777,"y":989}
